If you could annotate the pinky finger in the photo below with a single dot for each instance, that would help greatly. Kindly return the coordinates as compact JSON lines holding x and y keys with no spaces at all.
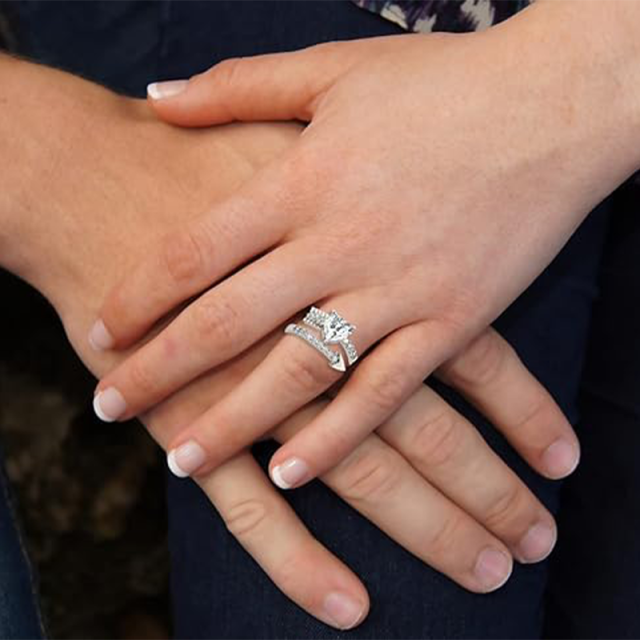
{"x":489,"y":373}
{"x":267,"y":527}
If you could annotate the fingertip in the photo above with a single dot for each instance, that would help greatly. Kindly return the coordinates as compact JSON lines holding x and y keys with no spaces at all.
{"x":100,"y":337}
{"x":561,"y":458}
{"x":538,"y":542}
{"x":170,"y":102}
{"x":493,"y":569}
{"x":185,"y":460}
{"x":109,"y":405}
{"x":157,"y":91}
{"x":97,"y":409}
{"x":174,"y":467}
{"x":293,"y":472}
{"x":344,"y":611}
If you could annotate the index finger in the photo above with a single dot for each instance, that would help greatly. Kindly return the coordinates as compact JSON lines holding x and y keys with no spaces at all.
{"x":270,"y":531}
{"x":192,"y":258}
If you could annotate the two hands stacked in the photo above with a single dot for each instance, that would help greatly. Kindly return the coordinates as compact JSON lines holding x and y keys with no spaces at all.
{"x":419,"y":229}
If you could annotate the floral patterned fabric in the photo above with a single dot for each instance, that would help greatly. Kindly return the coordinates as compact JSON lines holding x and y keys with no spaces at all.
{"x":425,"y":16}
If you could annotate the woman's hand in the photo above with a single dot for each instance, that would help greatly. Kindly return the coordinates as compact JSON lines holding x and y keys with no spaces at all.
{"x":437,"y":178}
{"x":83,"y":228}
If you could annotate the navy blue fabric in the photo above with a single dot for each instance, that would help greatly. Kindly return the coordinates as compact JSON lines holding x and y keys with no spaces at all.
{"x":595,"y":587}
{"x":125,"y":45}
{"x":219,"y":592}
{"x":19,"y":614}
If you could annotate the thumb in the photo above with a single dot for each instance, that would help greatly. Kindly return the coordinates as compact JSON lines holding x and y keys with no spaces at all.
{"x":278,"y":86}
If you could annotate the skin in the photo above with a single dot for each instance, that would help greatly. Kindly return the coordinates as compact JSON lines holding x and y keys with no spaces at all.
{"x":420,"y":219}
{"x":79,"y":208}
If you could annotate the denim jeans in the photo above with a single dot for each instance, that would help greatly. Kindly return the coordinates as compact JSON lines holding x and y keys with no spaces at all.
{"x":218,"y":590}
{"x":19,"y":613}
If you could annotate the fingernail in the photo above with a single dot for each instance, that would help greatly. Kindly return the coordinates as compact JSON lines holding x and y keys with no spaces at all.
{"x":537,"y":543}
{"x":186,"y":459}
{"x":290,"y":473}
{"x":109,"y":404}
{"x":493,"y":568}
{"x":343,"y":611}
{"x":99,"y":337}
{"x":561,"y":458}
{"x":161,"y":90}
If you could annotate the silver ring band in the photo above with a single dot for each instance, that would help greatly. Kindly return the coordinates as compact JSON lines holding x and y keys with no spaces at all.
{"x":335,"y":330}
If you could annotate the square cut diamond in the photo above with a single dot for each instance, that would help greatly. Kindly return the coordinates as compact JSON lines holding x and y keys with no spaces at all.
{"x":336,"y":329}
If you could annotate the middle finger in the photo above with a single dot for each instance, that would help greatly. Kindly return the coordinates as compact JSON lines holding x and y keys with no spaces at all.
{"x":215,"y":328}
{"x":450,"y":452}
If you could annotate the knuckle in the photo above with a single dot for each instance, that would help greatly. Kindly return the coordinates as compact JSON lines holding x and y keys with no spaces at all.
{"x":507,"y":510}
{"x":371,"y":477}
{"x":538,"y":410}
{"x":326,"y":49}
{"x":227,"y":69}
{"x":298,"y":189}
{"x":304,"y":375}
{"x":214,"y":317}
{"x":385,"y":389}
{"x":287,"y":574}
{"x":480,"y":364}
{"x":141,"y":378}
{"x":445,"y":541}
{"x":246,"y":518}
{"x":182,"y":257}
{"x":229,"y":75}
{"x":117,"y":309}
{"x":437,"y":440}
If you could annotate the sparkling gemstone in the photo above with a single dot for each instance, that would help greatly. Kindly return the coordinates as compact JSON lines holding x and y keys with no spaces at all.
{"x":336,"y":328}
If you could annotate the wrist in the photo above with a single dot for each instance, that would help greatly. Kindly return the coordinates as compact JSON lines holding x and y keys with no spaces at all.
{"x":601,"y":42}
{"x":580,"y":64}
{"x":47,"y":118}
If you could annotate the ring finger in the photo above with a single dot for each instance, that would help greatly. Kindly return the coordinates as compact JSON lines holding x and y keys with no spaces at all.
{"x":289,"y":377}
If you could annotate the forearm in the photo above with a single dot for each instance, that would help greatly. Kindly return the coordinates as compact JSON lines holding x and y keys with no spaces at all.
{"x":18,"y":84}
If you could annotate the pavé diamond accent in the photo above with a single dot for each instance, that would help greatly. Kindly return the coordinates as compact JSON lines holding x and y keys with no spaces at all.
{"x":350,"y":350}
{"x":335,"y":359}
{"x":335,"y":330}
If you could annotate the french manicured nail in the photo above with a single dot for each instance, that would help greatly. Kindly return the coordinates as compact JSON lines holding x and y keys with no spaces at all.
{"x":99,"y":337}
{"x":561,"y":458}
{"x":493,"y":568}
{"x":290,"y":473}
{"x":161,"y":90}
{"x":186,"y":459}
{"x":344,"y":611}
{"x":109,"y":404}
{"x":537,"y":543}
